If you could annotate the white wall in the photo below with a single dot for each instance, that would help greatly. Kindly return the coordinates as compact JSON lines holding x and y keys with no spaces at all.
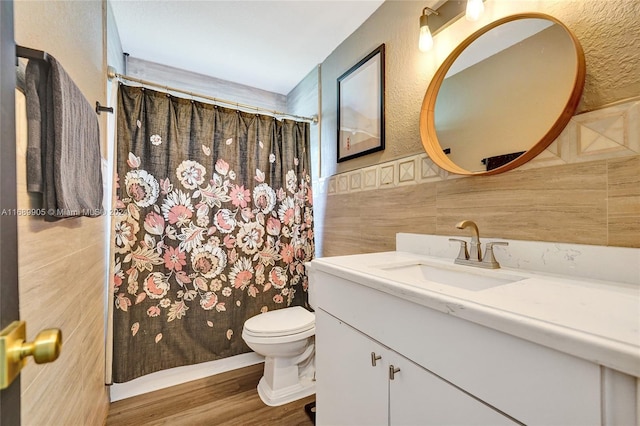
{"x":205,"y":85}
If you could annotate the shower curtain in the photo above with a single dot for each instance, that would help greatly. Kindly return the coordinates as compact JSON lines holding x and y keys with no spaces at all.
{"x":214,"y":223}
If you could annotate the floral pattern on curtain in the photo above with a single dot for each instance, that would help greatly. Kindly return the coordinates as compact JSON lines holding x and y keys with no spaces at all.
{"x":215,"y":225}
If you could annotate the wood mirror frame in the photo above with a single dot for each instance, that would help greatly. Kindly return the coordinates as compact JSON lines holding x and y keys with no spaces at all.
{"x":427,"y":115}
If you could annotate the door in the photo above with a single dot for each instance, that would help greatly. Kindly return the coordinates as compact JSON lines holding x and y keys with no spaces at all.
{"x":418,"y":397}
{"x":14,"y":350}
{"x":350,"y":390}
{"x":10,"y":397}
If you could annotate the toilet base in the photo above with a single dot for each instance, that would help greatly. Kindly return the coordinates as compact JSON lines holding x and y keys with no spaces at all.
{"x":305,"y":387}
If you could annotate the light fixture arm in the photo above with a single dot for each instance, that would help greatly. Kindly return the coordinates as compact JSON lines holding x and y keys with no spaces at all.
{"x":424,"y":19}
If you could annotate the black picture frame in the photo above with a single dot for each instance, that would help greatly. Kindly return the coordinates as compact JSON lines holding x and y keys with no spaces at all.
{"x":360,"y":129}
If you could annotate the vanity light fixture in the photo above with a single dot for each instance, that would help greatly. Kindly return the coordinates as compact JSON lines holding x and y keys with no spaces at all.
{"x":474,"y":9}
{"x":447,"y":13}
{"x":425,"y":42}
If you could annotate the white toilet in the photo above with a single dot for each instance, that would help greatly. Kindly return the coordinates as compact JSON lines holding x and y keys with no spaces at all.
{"x":285,"y":337}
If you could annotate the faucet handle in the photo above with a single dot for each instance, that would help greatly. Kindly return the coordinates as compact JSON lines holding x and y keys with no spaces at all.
{"x":463,"y":254}
{"x":489,"y":258}
{"x":496,"y":243}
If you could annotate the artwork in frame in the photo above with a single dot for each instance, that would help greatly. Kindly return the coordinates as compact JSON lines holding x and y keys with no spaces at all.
{"x":361,"y":107}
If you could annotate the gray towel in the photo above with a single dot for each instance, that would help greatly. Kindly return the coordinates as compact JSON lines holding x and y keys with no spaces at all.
{"x":35,"y":93}
{"x":63,"y":154}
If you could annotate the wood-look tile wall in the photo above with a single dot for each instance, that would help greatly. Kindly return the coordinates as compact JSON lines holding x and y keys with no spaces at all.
{"x":586,"y":203}
{"x":61,"y":265}
{"x":623,"y":198}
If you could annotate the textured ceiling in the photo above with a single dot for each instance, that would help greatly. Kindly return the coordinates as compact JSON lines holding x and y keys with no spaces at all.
{"x":271,"y":45}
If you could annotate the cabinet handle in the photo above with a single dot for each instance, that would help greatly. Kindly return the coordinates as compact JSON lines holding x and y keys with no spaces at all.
{"x":392,"y":372}
{"x":374,"y":358}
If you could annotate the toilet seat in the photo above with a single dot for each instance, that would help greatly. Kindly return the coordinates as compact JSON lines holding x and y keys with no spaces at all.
{"x":282,"y":322}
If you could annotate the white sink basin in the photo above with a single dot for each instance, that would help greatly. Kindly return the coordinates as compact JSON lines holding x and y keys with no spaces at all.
{"x":456,"y":276}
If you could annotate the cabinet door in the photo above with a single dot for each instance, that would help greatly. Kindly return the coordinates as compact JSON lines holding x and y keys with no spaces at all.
{"x":349,"y":390}
{"x":418,"y":397}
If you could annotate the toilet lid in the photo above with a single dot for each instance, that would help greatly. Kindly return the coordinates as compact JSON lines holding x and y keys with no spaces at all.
{"x":281,"y":322}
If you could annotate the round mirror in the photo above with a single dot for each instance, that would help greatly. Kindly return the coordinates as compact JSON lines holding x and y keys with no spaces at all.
{"x":503,"y":95}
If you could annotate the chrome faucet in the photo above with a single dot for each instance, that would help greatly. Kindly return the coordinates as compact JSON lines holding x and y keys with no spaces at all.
{"x":473,"y":256}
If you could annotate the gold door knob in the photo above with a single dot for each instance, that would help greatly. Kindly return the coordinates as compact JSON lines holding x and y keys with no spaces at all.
{"x":14,"y":350}
{"x":45,"y":348}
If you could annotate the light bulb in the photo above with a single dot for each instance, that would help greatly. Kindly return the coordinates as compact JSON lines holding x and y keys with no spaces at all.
{"x":474,"y":9}
{"x":426,"y":41}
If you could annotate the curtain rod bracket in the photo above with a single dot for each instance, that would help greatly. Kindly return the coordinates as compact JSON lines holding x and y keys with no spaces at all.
{"x":100,"y":108}
{"x":111,"y":73}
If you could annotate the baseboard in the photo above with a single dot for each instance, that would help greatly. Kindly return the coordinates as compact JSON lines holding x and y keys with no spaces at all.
{"x":175,"y":376}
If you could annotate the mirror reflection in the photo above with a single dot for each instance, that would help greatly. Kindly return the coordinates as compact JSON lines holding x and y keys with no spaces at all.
{"x":513,"y":87}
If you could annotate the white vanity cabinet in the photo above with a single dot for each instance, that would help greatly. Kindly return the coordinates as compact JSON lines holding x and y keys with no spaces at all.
{"x":452,"y":370}
{"x":358,"y":386}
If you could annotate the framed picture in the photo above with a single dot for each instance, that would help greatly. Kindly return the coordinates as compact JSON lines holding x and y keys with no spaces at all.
{"x":361,"y":107}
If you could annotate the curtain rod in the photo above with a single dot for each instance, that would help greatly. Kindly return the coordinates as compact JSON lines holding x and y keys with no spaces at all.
{"x":111,"y":74}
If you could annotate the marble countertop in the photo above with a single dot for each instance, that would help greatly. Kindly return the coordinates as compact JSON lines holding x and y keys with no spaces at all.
{"x":596,"y":320}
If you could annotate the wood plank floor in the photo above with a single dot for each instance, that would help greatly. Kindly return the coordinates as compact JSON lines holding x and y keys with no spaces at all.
{"x":227,"y":399}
